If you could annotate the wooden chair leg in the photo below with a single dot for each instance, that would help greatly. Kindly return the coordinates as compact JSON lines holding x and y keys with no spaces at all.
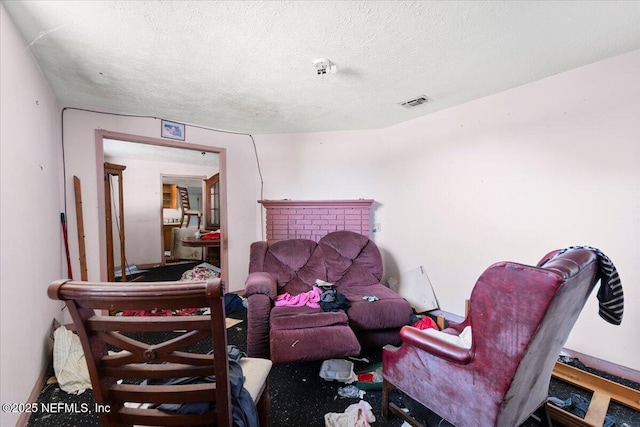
{"x":386,"y":387}
{"x":264,"y":409}
{"x":546,"y":416}
{"x":388,"y":406}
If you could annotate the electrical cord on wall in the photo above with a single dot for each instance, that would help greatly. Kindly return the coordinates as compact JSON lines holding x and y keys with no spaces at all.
{"x":64,"y":164}
{"x":255,"y":150}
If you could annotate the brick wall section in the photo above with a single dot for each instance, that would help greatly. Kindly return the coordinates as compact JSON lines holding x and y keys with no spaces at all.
{"x":312,"y":219}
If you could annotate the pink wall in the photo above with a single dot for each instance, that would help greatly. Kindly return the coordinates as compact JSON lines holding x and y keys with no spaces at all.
{"x":31,"y":253}
{"x":507,"y":177}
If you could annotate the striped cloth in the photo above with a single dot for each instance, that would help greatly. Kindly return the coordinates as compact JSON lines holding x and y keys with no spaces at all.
{"x":610,"y":294}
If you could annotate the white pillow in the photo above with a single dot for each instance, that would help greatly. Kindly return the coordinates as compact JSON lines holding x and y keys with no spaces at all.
{"x":463,"y":340}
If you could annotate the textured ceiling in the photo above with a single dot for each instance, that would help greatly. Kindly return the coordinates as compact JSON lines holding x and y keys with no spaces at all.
{"x":248,"y":66}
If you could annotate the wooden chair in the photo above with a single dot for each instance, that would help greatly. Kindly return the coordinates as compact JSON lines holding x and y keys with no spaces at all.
{"x":185,"y":206}
{"x":156,"y":348}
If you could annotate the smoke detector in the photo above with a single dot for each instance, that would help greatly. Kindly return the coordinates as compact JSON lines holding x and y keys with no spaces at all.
{"x":323,"y":65}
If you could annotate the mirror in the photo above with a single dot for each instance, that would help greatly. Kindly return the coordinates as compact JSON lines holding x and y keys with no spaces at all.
{"x":149,"y":219}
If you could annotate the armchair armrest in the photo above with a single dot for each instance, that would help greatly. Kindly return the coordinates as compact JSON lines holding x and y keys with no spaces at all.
{"x":261,"y":283}
{"x":260,"y":290}
{"x":436,"y":344}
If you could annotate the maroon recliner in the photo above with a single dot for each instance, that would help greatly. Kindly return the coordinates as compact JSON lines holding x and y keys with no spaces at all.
{"x":520,"y":317}
{"x":354,"y":265}
{"x":290,"y":334}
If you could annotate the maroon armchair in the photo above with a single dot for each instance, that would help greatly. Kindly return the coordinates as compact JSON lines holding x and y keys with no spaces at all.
{"x":520,"y":317}
{"x":289,"y":334}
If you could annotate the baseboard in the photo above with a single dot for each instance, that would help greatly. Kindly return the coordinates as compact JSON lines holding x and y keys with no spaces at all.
{"x":605,"y":366}
{"x":37,"y":389}
{"x":42,"y":378}
{"x":165,"y":264}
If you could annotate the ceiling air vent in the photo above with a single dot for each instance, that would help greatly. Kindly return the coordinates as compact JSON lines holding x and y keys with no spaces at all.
{"x":422,"y":99}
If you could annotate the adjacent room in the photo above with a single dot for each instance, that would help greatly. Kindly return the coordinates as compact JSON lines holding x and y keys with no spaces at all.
{"x":430,"y":144}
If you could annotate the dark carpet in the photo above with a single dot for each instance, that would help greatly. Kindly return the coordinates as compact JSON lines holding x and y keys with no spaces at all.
{"x":300,"y":397}
{"x":167,"y":272}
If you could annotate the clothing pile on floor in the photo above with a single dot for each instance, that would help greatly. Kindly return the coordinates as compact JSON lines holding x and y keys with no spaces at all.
{"x":357,"y":415}
{"x":204,"y":271}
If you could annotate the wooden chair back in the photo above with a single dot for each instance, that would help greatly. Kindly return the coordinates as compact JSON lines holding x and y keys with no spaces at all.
{"x":184,"y":198}
{"x":185,"y":208}
{"x":151,"y":348}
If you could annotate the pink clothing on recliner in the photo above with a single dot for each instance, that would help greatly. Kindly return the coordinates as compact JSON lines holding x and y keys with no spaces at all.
{"x":309,"y":299}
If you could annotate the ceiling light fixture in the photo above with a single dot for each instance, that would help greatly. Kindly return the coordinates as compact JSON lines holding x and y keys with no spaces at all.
{"x":323,"y":65}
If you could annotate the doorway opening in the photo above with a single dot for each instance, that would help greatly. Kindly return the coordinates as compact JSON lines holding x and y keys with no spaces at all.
{"x":153,"y":168}
{"x":176,"y":214}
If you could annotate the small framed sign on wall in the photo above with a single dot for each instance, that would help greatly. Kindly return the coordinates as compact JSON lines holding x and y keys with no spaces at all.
{"x":172,"y":130}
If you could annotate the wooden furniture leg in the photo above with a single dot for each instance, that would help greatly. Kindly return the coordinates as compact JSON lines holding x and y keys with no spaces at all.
{"x":388,"y":405}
